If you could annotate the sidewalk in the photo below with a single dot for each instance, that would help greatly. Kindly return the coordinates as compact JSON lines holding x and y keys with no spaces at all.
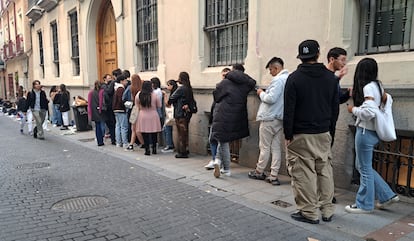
{"x":397,"y":223}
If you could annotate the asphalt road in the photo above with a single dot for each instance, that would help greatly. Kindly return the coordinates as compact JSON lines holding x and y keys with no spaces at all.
{"x":107,"y":198}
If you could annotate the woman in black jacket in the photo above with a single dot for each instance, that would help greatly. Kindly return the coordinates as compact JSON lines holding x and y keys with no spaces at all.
{"x":230,"y":120}
{"x":64,"y":106}
{"x":181,"y":99}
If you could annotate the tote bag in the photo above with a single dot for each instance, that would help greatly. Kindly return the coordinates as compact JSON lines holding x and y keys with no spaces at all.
{"x":384,"y":121}
{"x":134,"y":115}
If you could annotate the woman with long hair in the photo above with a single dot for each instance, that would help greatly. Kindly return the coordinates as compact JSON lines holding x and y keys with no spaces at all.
{"x":55,"y":98}
{"x":181,"y":99}
{"x":96,"y":112}
{"x":133,"y":89}
{"x":169,"y":143}
{"x":64,"y":106}
{"x":148,"y":120}
{"x":367,"y":88}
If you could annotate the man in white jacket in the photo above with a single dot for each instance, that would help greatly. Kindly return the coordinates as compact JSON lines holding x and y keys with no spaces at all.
{"x":270,"y":115}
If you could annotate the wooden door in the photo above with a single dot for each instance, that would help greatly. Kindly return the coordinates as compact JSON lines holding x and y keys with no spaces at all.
{"x":106,"y":36}
{"x":11,"y":92}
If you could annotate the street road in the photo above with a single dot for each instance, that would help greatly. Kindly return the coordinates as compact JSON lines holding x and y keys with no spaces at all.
{"x":107,"y":198}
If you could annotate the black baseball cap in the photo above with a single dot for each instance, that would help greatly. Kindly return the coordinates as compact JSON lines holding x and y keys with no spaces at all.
{"x":308,"y":49}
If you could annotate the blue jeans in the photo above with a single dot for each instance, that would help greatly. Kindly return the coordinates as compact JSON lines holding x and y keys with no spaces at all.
{"x":372,"y":186}
{"x":121,"y":128}
{"x":213,"y":149}
{"x":100,"y":131}
{"x":223,"y":154}
{"x":57,"y":116}
{"x":168,"y":136}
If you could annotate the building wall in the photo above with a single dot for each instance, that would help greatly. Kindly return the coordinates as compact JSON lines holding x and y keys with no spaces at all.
{"x":13,"y":17}
{"x":275,"y":29}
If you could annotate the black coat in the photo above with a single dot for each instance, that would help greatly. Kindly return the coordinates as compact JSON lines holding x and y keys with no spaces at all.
{"x":182,"y":96}
{"x":64,"y":101}
{"x":31,"y":99}
{"x":230,"y":120}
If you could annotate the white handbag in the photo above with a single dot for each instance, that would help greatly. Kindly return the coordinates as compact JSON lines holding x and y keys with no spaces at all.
{"x":384,"y":121}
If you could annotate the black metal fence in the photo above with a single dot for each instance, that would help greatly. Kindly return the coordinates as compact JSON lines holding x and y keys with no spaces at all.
{"x":394,"y":162}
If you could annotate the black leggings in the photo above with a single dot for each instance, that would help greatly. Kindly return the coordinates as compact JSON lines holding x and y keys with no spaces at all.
{"x":150,"y":138}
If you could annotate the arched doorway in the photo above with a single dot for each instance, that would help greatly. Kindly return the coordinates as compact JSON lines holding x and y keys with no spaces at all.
{"x":106,"y":40}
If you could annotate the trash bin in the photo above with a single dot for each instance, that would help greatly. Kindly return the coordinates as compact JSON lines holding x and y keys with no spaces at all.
{"x":81,"y":118}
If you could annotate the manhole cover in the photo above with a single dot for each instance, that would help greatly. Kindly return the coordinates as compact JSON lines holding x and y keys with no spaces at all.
{"x":33,"y":165}
{"x":87,"y":139}
{"x":281,"y":203}
{"x":79,"y":204}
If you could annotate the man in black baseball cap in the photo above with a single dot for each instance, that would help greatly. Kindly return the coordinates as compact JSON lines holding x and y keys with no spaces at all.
{"x":308,"y":49}
{"x":311,"y":106}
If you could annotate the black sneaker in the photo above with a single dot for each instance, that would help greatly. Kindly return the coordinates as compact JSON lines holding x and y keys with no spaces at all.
{"x":129,"y":148}
{"x":327,"y":219}
{"x":299,"y":217}
{"x":274,"y":182}
{"x":181,"y":155}
{"x":255,"y":175}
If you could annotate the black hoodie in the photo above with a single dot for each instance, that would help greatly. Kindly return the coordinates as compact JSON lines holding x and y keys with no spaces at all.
{"x":311,"y":101}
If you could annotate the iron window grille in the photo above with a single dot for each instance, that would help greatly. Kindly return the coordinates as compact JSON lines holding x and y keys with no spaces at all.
{"x":55,"y":44}
{"x":386,"y":26}
{"x":41,"y":56}
{"x":226,"y":30}
{"x":148,"y":33}
{"x":75,"y":42}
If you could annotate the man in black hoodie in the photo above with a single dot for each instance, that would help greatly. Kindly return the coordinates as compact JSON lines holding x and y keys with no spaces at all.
{"x":310,"y":112}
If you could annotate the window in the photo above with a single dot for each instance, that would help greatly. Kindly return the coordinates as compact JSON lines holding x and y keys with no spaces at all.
{"x":55,"y":45}
{"x":148,"y":33}
{"x":42,"y":63}
{"x":226,"y":29}
{"x":75,"y":42}
{"x":386,"y":26}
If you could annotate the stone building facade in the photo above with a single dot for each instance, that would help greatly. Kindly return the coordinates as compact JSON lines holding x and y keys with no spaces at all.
{"x":77,"y":41}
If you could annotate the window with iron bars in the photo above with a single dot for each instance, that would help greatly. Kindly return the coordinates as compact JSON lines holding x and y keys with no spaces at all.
{"x":55,"y":44}
{"x":147,"y":33}
{"x":41,"y":56}
{"x":75,"y":42}
{"x":226,"y":29}
{"x":386,"y":26}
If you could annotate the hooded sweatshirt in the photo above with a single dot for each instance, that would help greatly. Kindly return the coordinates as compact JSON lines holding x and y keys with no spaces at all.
{"x":117,"y":103}
{"x":311,"y":101}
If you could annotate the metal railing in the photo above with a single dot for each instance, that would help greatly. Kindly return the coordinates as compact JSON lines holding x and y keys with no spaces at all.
{"x":394,"y":162}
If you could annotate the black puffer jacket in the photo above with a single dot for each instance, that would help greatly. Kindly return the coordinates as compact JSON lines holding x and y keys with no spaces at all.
{"x":230,"y":112}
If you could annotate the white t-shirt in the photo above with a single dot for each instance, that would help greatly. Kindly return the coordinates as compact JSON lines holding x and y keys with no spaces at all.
{"x":371,"y":90}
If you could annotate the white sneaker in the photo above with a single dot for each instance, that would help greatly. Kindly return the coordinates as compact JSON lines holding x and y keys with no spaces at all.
{"x":210,"y":165}
{"x":354,"y":209}
{"x":217,"y":164}
{"x":118,"y":145}
{"x":388,"y":203}
{"x":225,"y":172}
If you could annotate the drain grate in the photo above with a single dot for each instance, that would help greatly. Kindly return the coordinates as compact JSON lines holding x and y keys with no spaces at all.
{"x":32,"y":165}
{"x":86,"y":139}
{"x":79,"y":204}
{"x":281,"y":203}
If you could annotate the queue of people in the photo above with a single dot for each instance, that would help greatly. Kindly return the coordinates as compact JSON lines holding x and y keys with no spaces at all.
{"x":301,"y":107}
